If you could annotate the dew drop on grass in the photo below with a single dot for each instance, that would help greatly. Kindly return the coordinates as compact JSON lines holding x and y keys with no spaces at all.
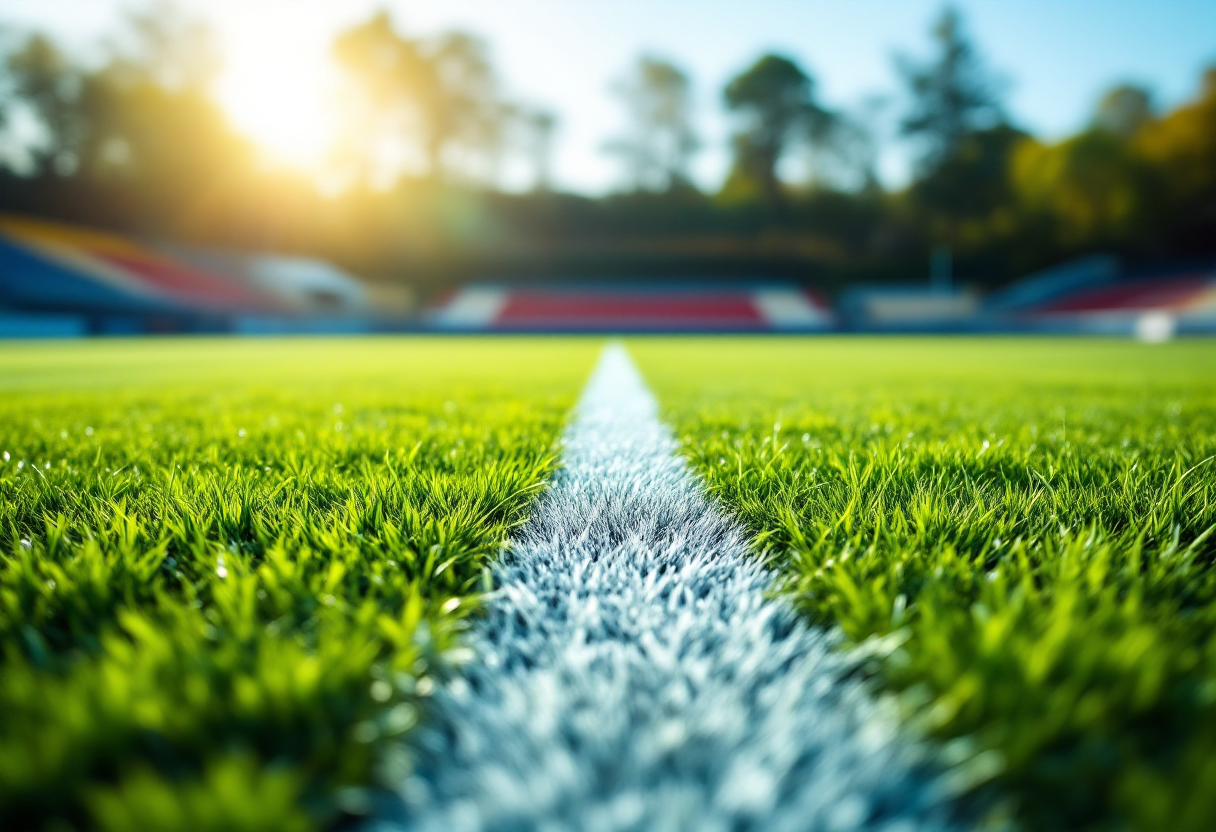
{"x":220,"y":568}
{"x":6,"y":456}
{"x":25,"y":544}
{"x":88,"y":431}
{"x":241,"y":433}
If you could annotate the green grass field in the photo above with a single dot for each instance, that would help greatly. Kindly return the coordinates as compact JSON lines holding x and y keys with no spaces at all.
{"x":1019,"y":531}
{"x":228,"y":569}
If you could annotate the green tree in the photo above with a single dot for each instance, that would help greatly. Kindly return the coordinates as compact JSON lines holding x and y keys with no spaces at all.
{"x":1181,"y":148}
{"x":974,"y":181}
{"x":1091,"y":189}
{"x":437,"y":99}
{"x":775,"y":102}
{"x":844,"y":154}
{"x":952,"y":94}
{"x":534,"y":129}
{"x":388,"y":75}
{"x":6,"y":84}
{"x":163,"y":44}
{"x":463,"y":115}
{"x":149,"y":110}
{"x":1123,"y":110}
{"x":45,"y":81}
{"x":137,"y":117}
{"x":659,"y":141}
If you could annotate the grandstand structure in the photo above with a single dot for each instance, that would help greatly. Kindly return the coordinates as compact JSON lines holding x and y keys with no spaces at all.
{"x":62,"y":280}
{"x":1187,"y":293}
{"x":632,"y":306}
{"x":1093,"y":294}
{"x":53,"y":274}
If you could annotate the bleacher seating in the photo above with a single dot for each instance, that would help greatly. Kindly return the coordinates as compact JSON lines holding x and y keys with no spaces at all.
{"x":630,"y":306}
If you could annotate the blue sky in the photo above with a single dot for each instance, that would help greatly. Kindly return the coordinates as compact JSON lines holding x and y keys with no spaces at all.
{"x":1057,"y":55}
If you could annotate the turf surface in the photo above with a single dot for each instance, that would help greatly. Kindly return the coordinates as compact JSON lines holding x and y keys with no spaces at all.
{"x":631,"y":675}
{"x":228,"y":569}
{"x":1019,"y":531}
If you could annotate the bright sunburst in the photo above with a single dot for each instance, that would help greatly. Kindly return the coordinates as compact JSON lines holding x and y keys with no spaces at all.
{"x":279,"y":92}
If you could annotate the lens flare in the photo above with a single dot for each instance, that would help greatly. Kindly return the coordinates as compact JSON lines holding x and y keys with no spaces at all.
{"x":279,"y":92}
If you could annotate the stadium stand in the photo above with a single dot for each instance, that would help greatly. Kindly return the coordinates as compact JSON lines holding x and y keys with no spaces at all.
{"x":33,"y":279}
{"x":137,"y":272}
{"x":299,"y":283}
{"x":59,"y":280}
{"x":1042,"y":287}
{"x":907,"y":308}
{"x":632,"y":307}
{"x":88,"y":280}
{"x":1092,"y":295}
{"x":1179,"y":293}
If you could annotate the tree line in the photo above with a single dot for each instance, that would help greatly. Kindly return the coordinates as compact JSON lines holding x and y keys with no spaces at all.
{"x":137,"y":143}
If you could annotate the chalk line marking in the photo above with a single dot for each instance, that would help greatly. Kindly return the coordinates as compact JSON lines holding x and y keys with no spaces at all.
{"x":631,"y":673}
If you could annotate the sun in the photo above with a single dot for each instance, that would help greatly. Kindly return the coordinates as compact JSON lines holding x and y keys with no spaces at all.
{"x":280,"y":93}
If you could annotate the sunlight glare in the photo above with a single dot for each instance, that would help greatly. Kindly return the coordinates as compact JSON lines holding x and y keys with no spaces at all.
{"x":278,"y":91}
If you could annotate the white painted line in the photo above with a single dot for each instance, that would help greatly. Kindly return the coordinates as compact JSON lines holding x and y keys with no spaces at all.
{"x":632,"y":674}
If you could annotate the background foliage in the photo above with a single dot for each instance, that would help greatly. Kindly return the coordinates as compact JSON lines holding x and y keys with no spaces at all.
{"x":112,"y":138}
